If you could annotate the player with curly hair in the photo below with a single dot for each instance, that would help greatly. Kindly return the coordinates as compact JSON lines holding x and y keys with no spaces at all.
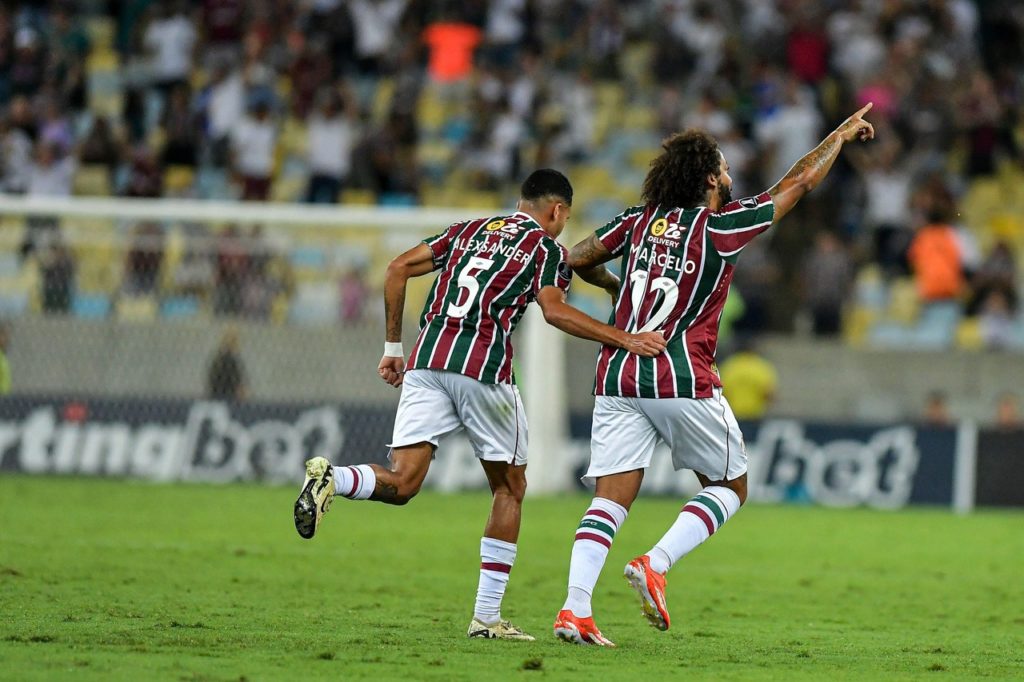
{"x":678,"y":250}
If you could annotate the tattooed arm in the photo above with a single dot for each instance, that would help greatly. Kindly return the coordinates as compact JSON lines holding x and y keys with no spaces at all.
{"x":417,"y":261}
{"x":587,"y":260}
{"x":812,"y":169}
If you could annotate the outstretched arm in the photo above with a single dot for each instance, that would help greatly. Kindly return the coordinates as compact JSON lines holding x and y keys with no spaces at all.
{"x":417,"y":261}
{"x":587,"y":260}
{"x":809,"y":171}
{"x":563,"y":316}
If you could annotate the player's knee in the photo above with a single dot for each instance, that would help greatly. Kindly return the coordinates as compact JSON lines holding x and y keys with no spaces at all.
{"x":739,"y":487}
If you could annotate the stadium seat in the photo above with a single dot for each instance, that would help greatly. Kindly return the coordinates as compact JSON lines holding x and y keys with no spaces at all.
{"x":90,"y":306}
{"x":315,"y":304}
{"x":136,"y":308}
{"x":179,"y":180}
{"x":91,"y":181}
{"x":358,"y":197}
{"x":179,"y":307}
{"x":308,"y":258}
{"x":968,"y":335}
{"x":399,"y":199}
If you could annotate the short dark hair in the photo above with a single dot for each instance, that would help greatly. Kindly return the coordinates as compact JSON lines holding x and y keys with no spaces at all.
{"x":547,"y":182}
{"x":677,"y":176}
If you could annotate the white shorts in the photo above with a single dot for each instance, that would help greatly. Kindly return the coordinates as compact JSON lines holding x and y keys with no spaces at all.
{"x":435,"y":403}
{"x":702,"y":434}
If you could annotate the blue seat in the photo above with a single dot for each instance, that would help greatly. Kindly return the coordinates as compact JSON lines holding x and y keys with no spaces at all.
{"x":397,"y":199}
{"x":179,"y":307}
{"x":91,"y":306}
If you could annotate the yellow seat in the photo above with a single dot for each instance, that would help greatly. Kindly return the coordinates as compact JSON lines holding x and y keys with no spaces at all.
{"x":969,"y":336}
{"x":358,"y":197}
{"x":137,"y":308}
{"x":179,"y":179}
{"x":91,"y":180}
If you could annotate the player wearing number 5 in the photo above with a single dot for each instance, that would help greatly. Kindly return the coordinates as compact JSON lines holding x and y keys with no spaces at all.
{"x":678,"y":252}
{"x":460,"y":371}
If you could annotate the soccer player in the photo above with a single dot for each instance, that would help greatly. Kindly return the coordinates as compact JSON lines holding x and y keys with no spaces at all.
{"x":460,"y":371}
{"x":678,"y":252}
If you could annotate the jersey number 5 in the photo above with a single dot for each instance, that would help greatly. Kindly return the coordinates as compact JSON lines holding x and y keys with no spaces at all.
{"x":467,"y":281}
{"x":638,"y":288}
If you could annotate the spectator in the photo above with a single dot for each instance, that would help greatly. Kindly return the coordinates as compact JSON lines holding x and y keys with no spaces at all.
{"x":750,"y":381}
{"x":997,"y":318}
{"x":223,"y":21}
{"x":69,"y":44}
{"x":51,"y":173}
{"x":887,"y":183}
{"x":100,"y":146}
{"x":254,"y":143}
{"x":232,"y":267}
{"x":451,"y":43}
{"x":145,"y":176}
{"x":998,"y":272}
{"x":826,"y":279}
{"x":181,"y":130}
{"x":49,"y":176}
{"x":28,"y":68}
{"x":788,"y":132}
{"x":223,"y":103}
{"x":376,"y":24}
{"x":1008,"y":412}
{"x":936,"y":410}
{"x":171,"y":39}
{"x":15,"y":155}
{"x":57,"y":270}
{"x":225,"y":378}
{"x":934,"y":255}
{"x":144,"y":260}
{"x":332,"y":137}
{"x":352,"y":296}
{"x":5,"y":366}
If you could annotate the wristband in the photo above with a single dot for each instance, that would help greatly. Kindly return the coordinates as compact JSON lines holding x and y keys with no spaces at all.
{"x":393,"y":350}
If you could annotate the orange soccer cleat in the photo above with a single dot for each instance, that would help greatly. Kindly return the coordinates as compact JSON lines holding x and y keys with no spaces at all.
{"x":650,"y":585}
{"x":570,"y":628}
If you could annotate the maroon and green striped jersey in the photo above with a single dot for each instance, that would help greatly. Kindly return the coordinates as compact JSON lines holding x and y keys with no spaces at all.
{"x":677,"y":266}
{"x":491,"y":268}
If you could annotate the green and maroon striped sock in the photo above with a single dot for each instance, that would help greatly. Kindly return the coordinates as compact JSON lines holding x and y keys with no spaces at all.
{"x":700,"y":517}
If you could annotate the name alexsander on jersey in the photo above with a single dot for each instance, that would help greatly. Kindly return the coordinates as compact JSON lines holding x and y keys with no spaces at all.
{"x":491,"y":269}
{"x":677,"y":265}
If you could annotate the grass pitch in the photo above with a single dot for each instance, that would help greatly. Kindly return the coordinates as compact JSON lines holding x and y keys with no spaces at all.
{"x":111,"y":580}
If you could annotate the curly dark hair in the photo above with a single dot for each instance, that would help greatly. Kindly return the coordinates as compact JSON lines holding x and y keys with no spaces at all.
{"x":677,"y":176}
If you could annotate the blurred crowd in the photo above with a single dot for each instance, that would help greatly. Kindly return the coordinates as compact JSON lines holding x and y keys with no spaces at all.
{"x":324,"y":101}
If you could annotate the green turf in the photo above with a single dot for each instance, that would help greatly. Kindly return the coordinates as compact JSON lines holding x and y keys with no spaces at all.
{"x":111,"y":580}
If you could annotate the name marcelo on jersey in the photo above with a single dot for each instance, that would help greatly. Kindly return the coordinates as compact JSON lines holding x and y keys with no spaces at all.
{"x":506,"y":250}
{"x":665,"y":260}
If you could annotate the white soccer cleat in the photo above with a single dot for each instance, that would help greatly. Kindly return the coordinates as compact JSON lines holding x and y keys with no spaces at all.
{"x":316,"y":496}
{"x":500,"y":630}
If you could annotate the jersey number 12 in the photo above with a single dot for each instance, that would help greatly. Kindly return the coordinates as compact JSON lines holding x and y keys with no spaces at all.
{"x":638,"y":287}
